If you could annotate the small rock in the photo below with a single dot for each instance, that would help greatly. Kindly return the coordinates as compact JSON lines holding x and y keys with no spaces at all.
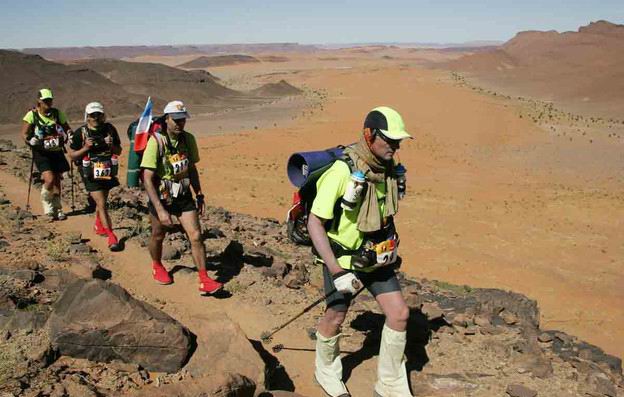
{"x":520,"y":391}
{"x":545,"y":337}
{"x":4,"y":243}
{"x":565,"y":338}
{"x":74,"y":237}
{"x":482,"y":320}
{"x":470,"y":330}
{"x":169,"y":252}
{"x":213,"y":232}
{"x":508,"y":317}
{"x":78,"y":249}
{"x":432,"y":311}
{"x":460,"y":320}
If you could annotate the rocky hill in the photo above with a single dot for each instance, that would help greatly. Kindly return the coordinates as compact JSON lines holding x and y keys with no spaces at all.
{"x":121,"y":86}
{"x":281,"y":88}
{"x":583,"y":69}
{"x":73,"y":87}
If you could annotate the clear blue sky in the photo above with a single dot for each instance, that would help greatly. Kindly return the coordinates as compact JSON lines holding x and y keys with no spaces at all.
{"x":55,"y":23}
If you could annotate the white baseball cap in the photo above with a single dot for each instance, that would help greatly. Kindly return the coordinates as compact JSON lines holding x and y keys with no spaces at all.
{"x":176,"y":110}
{"x":93,"y":107}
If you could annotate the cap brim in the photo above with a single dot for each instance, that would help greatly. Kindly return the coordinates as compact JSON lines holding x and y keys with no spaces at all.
{"x":179,"y":115}
{"x":397,"y":135}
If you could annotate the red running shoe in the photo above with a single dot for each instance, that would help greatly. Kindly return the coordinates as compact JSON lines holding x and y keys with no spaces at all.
{"x":208,"y":286}
{"x":98,"y":227}
{"x":161,"y":275}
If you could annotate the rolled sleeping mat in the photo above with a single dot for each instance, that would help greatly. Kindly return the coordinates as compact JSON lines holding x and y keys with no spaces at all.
{"x":304,"y":165}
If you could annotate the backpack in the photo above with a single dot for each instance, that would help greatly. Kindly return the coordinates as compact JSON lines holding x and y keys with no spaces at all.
{"x":297,"y":217}
{"x":134,"y":174}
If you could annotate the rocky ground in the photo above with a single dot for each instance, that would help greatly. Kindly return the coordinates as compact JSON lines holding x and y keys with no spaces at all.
{"x":66,"y":331}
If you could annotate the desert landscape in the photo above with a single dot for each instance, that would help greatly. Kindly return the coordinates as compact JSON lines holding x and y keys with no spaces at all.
{"x":514,"y":184}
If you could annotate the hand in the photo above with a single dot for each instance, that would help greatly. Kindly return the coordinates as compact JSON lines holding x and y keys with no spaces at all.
{"x":201,"y":206}
{"x":34,"y":141}
{"x":108,"y":140}
{"x":165,"y":218}
{"x":89,"y":142}
{"x":346,"y":282}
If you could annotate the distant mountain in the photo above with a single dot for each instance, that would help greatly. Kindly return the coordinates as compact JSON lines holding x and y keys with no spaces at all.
{"x":281,"y":88}
{"x":73,"y":87}
{"x":119,"y":52}
{"x":163,"y":83}
{"x":583,"y":69}
{"x":121,"y":86}
{"x":219,"y":60}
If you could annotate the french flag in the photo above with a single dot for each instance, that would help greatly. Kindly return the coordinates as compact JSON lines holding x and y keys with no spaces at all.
{"x":142,"y":130}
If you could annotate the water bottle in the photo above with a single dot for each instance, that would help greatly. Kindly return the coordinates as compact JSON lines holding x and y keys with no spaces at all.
{"x":399,"y":171}
{"x":354,"y":189}
{"x":86,"y":167}
{"x":114,"y":165}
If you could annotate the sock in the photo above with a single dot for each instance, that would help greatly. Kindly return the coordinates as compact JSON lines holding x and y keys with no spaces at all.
{"x":157,"y":264}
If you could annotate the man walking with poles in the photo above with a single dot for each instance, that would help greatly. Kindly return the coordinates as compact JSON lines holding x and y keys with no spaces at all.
{"x":358,"y":244}
{"x":45,"y":130}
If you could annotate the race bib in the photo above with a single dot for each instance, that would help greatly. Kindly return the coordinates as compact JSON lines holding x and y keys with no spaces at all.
{"x":102,"y":170}
{"x":387,"y":252}
{"x":51,"y":142}
{"x":180,"y":164}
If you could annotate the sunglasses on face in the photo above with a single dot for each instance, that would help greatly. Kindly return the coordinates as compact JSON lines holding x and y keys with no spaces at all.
{"x":96,"y":115}
{"x":389,"y":141}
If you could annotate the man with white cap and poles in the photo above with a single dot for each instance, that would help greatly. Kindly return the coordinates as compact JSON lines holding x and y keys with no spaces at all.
{"x":357,"y":245}
{"x":95,"y":147}
{"x":170,"y":177}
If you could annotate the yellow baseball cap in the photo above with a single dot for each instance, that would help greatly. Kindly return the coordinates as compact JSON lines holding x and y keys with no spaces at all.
{"x":45,"y":93}
{"x":388,"y":121}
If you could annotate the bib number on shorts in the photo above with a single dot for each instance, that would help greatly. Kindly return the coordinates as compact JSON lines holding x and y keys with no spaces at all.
{"x":102,"y":170}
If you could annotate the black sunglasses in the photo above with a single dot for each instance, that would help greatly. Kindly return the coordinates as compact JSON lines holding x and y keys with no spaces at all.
{"x":96,"y":115}
{"x":389,"y":141}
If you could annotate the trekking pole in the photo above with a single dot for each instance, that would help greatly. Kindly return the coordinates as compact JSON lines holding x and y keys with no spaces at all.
{"x":266,"y":336}
{"x":71,"y":175}
{"x":32,"y":164}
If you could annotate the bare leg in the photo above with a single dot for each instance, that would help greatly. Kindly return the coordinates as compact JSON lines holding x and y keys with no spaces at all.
{"x":100,"y":208}
{"x":396,"y":310}
{"x":156,"y":240}
{"x":331,"y":322}
{"x":190,"y":222}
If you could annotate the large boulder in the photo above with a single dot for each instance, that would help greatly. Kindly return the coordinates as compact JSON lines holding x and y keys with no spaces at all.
{"x":100,"y":321}
{"x":223,"y":347}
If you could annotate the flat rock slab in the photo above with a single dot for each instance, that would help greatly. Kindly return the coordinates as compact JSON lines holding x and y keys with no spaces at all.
{"x":100,"y":321}
{"x":520,"y":391}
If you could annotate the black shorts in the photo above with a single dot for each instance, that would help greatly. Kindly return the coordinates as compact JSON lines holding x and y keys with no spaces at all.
{"x":54,"y":161}
{"x":95,"y":185}
{"x":376,"y":282}
{"x":177,"y":207}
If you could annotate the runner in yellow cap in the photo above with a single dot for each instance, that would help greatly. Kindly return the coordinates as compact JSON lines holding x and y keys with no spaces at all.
{"x":357,"y":245}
